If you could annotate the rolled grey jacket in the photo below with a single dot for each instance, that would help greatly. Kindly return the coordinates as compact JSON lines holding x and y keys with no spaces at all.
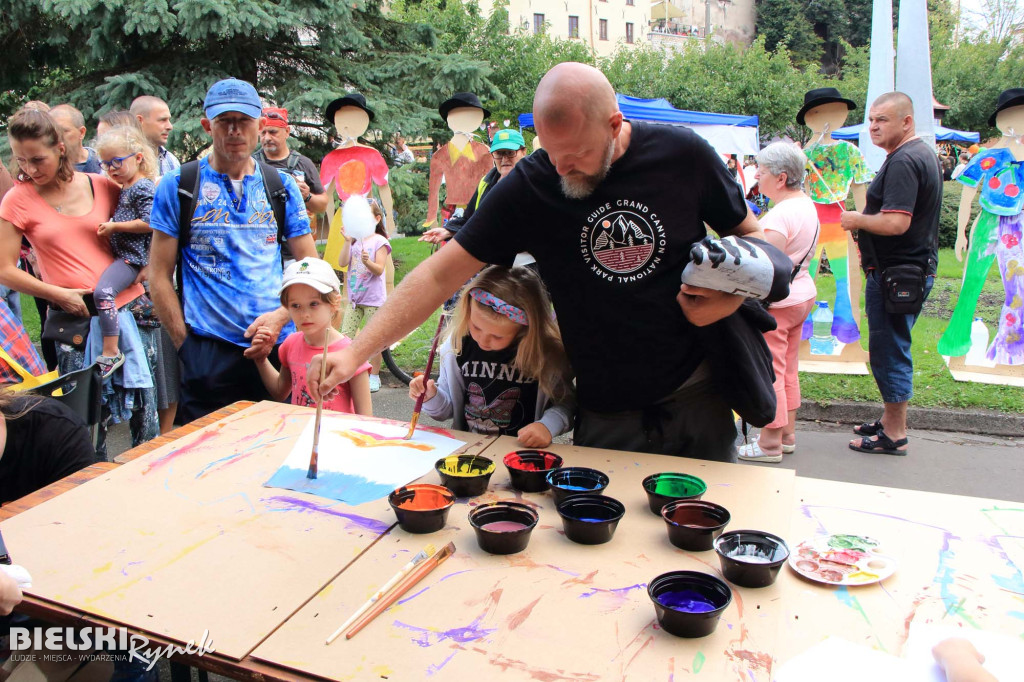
{"x":450,"y":400}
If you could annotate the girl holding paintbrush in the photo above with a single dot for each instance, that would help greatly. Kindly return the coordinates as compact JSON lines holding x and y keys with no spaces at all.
{"x":503,"y":368}
{"x":311,"y":292}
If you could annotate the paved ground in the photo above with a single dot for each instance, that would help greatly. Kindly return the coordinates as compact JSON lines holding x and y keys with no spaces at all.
{"x":970,"y":464}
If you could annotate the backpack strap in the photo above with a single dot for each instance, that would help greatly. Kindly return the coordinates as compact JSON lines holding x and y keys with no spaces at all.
{"x":188,"y":196}
{"x":277,"y":195}
{"x":293,"y":160}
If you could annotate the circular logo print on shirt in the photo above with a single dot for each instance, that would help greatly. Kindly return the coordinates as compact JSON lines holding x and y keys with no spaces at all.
{"x":622,"y":242}
{"x":210,"y":191}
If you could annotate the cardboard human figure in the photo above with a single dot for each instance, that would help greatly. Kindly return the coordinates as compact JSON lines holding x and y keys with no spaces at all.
{"x":833,"y":167}
{"x":352,"y":168}
{"x":997,"y":235}
{"x":461,"y":162}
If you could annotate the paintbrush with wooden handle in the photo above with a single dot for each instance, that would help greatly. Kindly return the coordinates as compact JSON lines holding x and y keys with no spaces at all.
{"x":311,"y":472}
{"x":401,"y":588}
{"x":426,"y":378}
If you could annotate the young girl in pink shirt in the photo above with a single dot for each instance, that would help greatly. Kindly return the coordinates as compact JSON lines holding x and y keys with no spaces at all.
{"x":312,"y":294}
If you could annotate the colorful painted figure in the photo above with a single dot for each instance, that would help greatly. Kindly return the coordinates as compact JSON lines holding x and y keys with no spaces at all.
{"x":832,"y":168}
{"x":461,"y":162}
{"x":999,"y":174}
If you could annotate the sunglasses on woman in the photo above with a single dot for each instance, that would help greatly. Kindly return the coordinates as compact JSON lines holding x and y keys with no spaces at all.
{"x":114,"y":163}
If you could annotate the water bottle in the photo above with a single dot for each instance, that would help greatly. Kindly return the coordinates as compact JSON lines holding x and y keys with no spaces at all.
{"x":822,"y":341}
{"x":979,"y":343}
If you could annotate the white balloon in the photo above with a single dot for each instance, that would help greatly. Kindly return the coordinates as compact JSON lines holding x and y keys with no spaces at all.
{"x":357,"y":218}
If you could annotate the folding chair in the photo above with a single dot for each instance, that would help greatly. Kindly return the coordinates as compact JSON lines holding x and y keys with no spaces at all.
{"x":79,"y":390}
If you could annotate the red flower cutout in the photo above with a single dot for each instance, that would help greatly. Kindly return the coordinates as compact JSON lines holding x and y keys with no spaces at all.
{"x":987,"y":163}
{"x":1011,"y":318}
{"x":1010,"y":240}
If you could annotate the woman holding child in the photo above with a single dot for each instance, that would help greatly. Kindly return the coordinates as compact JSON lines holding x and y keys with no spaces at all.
{"x":59,"y":211}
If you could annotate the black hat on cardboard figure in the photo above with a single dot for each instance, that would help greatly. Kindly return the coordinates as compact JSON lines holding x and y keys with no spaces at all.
{"x":819,"y":96}
{"x":1007,"y":98}
{"x":351,"y":100}
{"x":461,"y":99}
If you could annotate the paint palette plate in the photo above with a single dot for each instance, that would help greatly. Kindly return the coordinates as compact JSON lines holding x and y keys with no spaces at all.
{"x":841,"y":559}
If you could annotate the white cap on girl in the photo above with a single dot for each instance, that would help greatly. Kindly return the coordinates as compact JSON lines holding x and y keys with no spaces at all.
{"x":312,"y":272}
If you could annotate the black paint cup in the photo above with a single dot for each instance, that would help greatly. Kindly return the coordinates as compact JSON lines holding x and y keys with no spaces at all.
{"x":751,"y":558}
{"x":570,"y":481}
{"x":503,"y":527}
{"x":694,"y":525}
{"x":688,"y":603}
{"x":528,"y":469}
{"x":590,"y":519}
{"x":465,"y":475}
{"x":422,"y":507}
{"x":669,"y":487}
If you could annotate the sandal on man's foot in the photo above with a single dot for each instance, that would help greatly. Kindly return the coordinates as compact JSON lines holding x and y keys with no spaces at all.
{"x":868,"y":428}
{"x":882,"y":445}
{"x":108,"y":364}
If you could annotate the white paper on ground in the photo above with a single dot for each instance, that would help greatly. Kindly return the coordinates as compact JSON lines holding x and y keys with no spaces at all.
{"x":832,"y":660}
{"x":1003,"y":653}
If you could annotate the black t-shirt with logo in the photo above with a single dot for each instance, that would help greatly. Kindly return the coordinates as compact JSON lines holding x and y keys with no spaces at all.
{"x":499,"y":398}
{"x":910,"y":181}
{"x":613,"y":261}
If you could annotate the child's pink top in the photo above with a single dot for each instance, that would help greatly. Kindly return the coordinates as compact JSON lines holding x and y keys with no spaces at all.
{"x":296,"y":355}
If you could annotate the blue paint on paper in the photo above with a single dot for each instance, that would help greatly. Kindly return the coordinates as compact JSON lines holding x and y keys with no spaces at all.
{"x":431,"y":669}
{"x":348,"y":488}
{"x":619,"y":591}
{"x":416,"y":594}
{"x":427,"y":637}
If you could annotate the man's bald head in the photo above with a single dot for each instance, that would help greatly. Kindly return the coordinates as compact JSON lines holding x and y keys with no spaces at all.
{"x":154,"y":118}
{"x":571,"y":91}
{"x":891,"y":120}
{"x":68,"y":113}
{"x":71,"y":125}
{"x":899,"y":102}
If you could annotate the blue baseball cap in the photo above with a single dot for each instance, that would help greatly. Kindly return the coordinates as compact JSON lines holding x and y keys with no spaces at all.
{"x":507,"y":139}
{"x":232,"y":94}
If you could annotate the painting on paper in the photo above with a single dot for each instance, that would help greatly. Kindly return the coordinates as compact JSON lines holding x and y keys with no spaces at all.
{"x":360,"y":461}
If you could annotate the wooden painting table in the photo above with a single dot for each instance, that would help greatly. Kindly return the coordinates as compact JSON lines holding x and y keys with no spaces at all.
{"x":557,"y":611}
{"x":185,"y":539}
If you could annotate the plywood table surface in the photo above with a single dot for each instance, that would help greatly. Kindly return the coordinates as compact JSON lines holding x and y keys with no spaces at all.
{"x":186,"y":539}
{"x":961,"y":562}
{"x":558,"y":610}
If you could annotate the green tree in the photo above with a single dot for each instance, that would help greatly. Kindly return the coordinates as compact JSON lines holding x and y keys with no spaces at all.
{"x":300,"y":54}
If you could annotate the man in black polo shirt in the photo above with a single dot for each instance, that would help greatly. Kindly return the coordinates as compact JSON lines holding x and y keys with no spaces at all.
{"x":899,"y":227}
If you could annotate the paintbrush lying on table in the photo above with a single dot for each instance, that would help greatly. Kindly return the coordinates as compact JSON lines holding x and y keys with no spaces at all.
{"x":426,"y":378}
{"x":311,"y":472}
{"x":402,"y":587}
{"x":415,"y":561}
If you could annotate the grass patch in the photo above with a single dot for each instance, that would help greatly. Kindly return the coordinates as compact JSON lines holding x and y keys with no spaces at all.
{"x":30,"y":317}
{"x":933,"y":384}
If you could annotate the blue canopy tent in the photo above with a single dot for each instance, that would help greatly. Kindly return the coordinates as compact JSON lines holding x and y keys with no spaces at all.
{"x":941,"y":134}
{"x":727,"y":133}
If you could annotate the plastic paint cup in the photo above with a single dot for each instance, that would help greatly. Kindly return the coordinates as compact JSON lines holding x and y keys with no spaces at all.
{"x":669,"y":487}
{"x":693,"y":525}
{"x":570,"y":481}
{"x":528,"y":469}
{"x":688,"y":603}
{"x":465,"y":475}
{"x":751,"y":558}
{"x":590,"y":519}
{"x":422,"y":507}
{"x":503,"y":527}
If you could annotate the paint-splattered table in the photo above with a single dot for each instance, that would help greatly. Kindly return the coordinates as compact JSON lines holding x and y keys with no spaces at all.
{"x":960,"y":563}
{"x":558,"y":610}
{"x":185,"y":538}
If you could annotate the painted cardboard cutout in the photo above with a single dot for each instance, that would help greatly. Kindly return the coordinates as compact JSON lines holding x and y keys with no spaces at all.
{"x":996,"y":235}
{"x":353,"y":168}
{"x":461,"y":163}
{"x":833,"y":168}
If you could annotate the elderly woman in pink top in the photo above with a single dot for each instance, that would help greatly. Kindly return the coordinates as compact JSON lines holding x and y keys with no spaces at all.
{"x":791,"y":225}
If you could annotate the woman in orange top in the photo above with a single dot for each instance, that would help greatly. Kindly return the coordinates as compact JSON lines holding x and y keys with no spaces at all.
{"x":59,"y":211}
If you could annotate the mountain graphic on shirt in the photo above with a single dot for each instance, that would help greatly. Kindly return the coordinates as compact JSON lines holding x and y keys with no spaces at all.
{"x":621,"y":233}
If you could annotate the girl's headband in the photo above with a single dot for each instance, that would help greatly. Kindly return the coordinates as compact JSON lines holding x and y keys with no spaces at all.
{"x":499,"y":306}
